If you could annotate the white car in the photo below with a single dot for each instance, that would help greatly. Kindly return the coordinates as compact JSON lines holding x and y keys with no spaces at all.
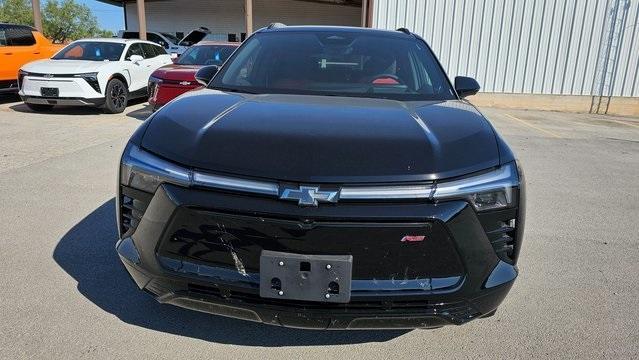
{"x":166,"y":40}
{"x":95,"y":72}
{"x":170,"y":43}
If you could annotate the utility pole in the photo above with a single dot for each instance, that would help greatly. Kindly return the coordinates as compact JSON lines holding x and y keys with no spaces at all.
{"x":141,"y":19}
{"x":248,"y":13}
{"x":37,"y":16}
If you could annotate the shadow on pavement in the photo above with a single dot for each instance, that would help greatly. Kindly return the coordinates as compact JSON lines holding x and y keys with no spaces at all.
{"x":63,"y":110}
{"x":9,"y":98}
{"x":87,"y":253}
{"x":141,"y":114}
{"x":75,"y":110}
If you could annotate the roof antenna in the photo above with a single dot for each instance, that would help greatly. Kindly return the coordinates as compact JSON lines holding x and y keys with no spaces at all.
{"x":404,"y":30}
{"x":275,"y":25}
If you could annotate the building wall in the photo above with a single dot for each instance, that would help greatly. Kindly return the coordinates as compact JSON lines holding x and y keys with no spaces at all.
{"x":570,"y":47}
{"x":227,"y":16}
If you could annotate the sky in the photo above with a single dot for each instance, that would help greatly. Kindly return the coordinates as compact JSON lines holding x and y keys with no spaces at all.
{"x":110,"y":17}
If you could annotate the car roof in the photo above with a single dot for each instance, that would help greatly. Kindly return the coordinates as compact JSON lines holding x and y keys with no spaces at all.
{"x":118,"y":40}
{"x":320,"y":28}
{"x":26,"y":27}
{"x":148,"y":32}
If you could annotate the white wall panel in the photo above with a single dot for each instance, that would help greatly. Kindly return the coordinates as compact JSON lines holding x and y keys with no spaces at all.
{"x":526,"y":46}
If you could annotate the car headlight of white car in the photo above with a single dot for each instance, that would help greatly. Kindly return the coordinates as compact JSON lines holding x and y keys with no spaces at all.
{"x":91,"y":79}
{"x":21,"y":75}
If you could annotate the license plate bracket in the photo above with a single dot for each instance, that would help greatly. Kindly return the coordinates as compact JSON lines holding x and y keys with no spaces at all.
{"x":322,"y":278}
{"x":49,"y":92}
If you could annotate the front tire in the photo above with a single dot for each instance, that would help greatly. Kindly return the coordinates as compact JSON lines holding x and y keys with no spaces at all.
{"x":39,"y":107}
{"x":116,"y":97}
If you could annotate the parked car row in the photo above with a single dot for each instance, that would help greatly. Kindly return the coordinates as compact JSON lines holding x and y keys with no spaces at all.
{"x":105,"y":72}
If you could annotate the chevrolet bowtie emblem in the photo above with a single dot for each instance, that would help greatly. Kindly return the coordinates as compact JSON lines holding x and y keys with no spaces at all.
{"x":185,"y":83}
{"x":309,"y":195}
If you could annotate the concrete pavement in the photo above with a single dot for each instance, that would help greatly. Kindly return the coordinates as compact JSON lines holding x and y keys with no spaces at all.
{"x":65,"y":294}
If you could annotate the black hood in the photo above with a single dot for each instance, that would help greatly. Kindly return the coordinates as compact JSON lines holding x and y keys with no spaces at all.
{"x":322,"y":139}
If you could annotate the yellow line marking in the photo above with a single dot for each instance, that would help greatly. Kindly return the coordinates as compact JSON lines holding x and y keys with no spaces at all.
{"x":622,"y":122}
{"x":534,"y":127}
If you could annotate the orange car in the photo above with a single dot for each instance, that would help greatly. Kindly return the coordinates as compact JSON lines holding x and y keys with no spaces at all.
{"x":19,"y":45}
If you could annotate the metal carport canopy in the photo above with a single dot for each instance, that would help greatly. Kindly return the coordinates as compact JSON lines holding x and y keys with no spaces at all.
{"x":365,"y":5}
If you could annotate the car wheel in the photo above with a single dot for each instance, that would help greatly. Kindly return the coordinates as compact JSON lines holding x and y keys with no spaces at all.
{"x":39,"y":107}
{"x":116,"y":97}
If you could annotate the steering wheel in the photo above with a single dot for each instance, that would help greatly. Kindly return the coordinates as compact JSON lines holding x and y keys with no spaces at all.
{"x":379,"y":79}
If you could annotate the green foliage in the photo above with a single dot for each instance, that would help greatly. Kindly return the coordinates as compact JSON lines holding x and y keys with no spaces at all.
{"x":104,"y":33}
{"x":62,"y":20}
{"x":16,"y":12}
{"x":68,"y":20}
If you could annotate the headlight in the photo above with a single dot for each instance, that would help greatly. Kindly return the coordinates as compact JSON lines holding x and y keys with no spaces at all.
{"x":85,"y":75}
{"x":492,"y":190}
{"x":144,"y":171}
{"x":91,"y":79}
{"x":153,"y":79}
{"x":21,"y":75}
{"x":488,"y":191}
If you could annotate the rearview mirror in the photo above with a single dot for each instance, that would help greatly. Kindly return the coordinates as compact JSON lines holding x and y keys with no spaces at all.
{"x":136,"y":58}
{"x":466,"y":86}
{"x":205,"y":74}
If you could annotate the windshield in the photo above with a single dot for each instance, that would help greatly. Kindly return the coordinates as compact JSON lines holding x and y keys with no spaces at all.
{"x":91,"y":50}
{"x":335,"y":63}
{"x":206,"y":55}
{"x":171,"y":38}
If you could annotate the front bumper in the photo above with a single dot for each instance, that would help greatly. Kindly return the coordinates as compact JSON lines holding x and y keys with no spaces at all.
{"x":69,"y":88}
{"x":162,"y":92}
{"x":430,"y":301}
{"x":63,"y":101}
{"x":8,"y":86}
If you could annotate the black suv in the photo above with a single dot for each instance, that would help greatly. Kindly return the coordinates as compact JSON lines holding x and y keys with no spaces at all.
{"x":326,"y":177}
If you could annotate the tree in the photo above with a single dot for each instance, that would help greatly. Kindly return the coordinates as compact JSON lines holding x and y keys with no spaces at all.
{"x":62,"y":21}
{"x":16,"y":12}
{"x":67,"y":20}
{"x":103,"y":33}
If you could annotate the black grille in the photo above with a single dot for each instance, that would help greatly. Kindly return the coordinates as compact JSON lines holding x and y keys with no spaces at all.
{"x":503,"y":239}
{"x":218,"y":239}
{"x":151,"y":88}
{"x":8,"y":84}
{"x":457,"y":311}
{"x":133,"y":204}
{"x":368,"y":304}
{"x":51,"y":75}
{"x":501,"y":229}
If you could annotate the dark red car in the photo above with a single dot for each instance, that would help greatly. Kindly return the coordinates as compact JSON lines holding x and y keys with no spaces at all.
{"x":170,"y":81}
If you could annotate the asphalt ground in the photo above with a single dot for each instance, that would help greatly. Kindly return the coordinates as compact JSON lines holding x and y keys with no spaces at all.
{"x":64,"y":293}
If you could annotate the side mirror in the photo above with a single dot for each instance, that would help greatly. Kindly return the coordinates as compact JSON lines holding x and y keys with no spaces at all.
{"x":136,"y":58}
{"x":466,"y":86}
{"x":205,"y":74}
